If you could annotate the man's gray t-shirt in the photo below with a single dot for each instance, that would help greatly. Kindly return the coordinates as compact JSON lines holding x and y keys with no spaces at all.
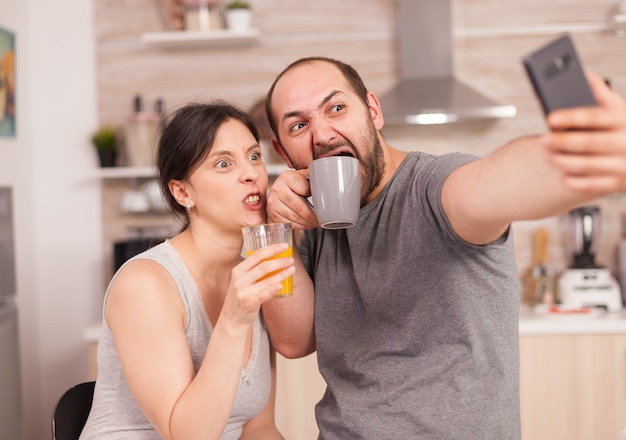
{"x":417,"y":330}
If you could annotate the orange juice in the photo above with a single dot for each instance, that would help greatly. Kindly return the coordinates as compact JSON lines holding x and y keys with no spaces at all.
{"x":287,"y":283}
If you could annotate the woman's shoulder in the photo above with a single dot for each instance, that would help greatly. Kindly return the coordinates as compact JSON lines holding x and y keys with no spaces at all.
{"x":142,"y":284}
{"x":147,"y":263}
{"x":147,"y":271}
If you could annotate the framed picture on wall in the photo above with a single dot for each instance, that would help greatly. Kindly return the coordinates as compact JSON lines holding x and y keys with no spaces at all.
{"x":7,"y":83}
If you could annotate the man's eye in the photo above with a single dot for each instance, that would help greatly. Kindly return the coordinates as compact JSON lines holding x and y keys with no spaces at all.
{"x":297,"y":126}
{"x":337,"y":107}
{"x":222,"y":164}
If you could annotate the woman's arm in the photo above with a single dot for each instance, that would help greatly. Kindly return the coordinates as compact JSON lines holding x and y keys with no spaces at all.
{"x":147,"y":318}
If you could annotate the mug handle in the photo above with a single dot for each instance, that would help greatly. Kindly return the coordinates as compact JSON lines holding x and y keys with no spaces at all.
{"x":308,"y":202}
{"x":306,"y":199}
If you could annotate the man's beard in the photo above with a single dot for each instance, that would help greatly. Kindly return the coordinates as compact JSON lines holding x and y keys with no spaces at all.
{"x":373,"y":164}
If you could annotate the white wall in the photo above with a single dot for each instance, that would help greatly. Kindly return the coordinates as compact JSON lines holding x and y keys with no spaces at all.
{"x":57,"y":200}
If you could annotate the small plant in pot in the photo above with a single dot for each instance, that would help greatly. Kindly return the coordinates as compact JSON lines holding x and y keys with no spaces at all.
{"x":105,"y":140}
{"x":238,"y":4}
{"x":238,"y":15}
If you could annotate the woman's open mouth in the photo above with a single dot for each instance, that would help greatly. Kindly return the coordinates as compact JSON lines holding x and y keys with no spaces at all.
{"x":252,"y":199}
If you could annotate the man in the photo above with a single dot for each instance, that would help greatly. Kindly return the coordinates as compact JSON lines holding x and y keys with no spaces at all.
{"x":416,"y":307}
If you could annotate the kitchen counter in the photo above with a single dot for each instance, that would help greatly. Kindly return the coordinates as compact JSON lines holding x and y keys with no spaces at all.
{"x":533,"y":324}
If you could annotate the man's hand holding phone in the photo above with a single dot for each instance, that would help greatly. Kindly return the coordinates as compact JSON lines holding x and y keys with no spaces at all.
{"x":587,"y":141}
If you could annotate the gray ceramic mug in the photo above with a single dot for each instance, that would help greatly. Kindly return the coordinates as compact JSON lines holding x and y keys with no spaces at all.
{"x":335,"y":191}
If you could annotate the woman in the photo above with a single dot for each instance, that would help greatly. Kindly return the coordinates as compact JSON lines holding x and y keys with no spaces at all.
{"x":184,"y":351}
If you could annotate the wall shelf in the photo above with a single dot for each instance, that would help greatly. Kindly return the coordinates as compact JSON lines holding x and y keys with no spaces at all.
{"x":184,"y":40}
{"x":273,"y":169}
{"x":126,"y":172}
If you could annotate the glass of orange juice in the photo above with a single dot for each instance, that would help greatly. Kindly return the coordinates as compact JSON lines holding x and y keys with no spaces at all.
{"x":255,"y":237}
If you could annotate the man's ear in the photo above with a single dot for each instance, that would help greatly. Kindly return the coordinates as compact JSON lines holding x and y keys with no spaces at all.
{"x":375,"y":111}
{"x":281,"y":152}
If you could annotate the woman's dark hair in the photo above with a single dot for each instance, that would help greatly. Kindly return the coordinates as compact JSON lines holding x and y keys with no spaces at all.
{"x":186,"y":140}
{"x":349,"y":73}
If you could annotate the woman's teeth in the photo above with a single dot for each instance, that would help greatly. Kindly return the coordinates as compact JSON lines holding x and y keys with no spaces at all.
{"x":252,"y":200}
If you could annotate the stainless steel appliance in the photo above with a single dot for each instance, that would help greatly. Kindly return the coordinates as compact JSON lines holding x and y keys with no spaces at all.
{"x":139,"y":239}
{"x":126,"y":249}
{"x":585,"y":283}
{"x":10,"y":391}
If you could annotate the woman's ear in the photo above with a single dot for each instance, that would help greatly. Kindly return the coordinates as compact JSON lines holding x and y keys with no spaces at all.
{"x":178,"y":189}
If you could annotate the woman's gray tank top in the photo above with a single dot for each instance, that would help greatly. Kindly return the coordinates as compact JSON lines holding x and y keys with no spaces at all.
{"x":115,"y":414}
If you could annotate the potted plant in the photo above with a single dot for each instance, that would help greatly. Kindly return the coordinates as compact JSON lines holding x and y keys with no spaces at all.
{"x":238,"y":15}
{"x":238,"y":4}
{"x":105,"y":140}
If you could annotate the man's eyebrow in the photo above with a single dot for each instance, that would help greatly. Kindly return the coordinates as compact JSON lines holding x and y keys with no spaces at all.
{"x":330,"y":96}
{"x":295,"y":113}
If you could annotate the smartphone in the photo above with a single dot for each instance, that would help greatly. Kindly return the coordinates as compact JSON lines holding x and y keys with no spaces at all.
{"x":557,"y":76}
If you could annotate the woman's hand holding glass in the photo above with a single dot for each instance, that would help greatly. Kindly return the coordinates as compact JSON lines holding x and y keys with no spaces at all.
{"x":256,"y":280}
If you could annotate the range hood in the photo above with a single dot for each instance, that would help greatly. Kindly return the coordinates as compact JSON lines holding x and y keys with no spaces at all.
{"x":427,"y":92}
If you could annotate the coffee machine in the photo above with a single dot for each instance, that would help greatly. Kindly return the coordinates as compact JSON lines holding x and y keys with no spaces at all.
{"x":585,"y":283}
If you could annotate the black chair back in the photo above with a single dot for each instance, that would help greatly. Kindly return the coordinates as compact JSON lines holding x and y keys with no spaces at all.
{"x":71,"y":412}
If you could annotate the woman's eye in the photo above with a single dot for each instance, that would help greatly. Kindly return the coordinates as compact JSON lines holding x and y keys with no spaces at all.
{"x":222,"y":164}
{"x":255,"y":156}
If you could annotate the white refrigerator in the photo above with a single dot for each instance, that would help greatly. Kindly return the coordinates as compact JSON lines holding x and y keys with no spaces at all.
{"x":10,"y":394}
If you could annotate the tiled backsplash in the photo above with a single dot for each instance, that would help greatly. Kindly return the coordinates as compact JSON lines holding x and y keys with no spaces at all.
{"x":490,"y":39}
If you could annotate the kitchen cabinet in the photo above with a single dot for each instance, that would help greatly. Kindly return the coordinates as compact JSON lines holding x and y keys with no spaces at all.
{"x":299,"y":386}
{"x":573,"y":386}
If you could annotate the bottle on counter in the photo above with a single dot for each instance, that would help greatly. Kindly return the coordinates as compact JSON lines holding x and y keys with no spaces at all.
{"x":141,"y":134}
{"x":539,"y":281}
{"x":203,"y":15}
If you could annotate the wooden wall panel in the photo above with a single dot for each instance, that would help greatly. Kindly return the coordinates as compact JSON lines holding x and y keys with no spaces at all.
{"x":491,"y":36}
{"x":119,"y":19}
{"x":529,"y":14}
{"x":242,"y":75}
